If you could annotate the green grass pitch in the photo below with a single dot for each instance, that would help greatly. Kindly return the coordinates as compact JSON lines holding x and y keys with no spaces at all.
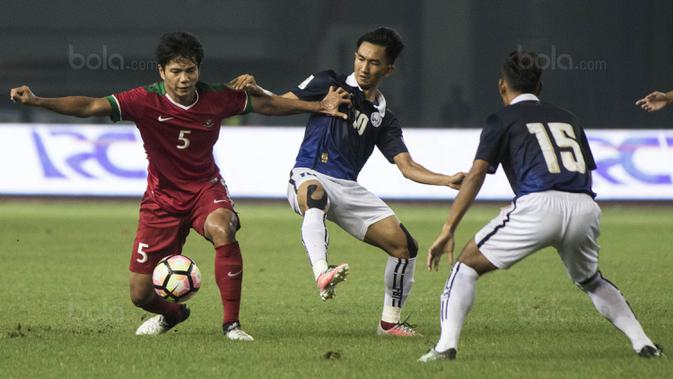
{"x":66,"y":311}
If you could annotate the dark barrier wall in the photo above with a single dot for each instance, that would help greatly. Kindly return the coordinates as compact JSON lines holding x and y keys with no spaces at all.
{"x":602,"y":55}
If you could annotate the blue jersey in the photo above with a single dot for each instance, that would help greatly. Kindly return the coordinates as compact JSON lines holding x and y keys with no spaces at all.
{"x":340,"y":148}
{"x":540,"y":147}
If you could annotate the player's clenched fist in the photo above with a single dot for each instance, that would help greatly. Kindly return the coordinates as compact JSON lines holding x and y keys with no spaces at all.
{"x":456,"y":180}
{"x":22,"y":94}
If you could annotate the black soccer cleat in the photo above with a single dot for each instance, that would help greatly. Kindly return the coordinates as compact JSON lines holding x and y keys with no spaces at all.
{"x":651,"y":351}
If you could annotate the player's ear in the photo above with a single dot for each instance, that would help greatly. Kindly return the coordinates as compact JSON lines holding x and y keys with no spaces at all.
{"x":502,"y":86}
{"x":161,"y":72}
{"x":504,"y":90}
{"x":389,"y":69}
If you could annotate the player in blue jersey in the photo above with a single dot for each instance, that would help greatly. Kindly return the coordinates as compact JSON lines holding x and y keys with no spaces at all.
{"x":548,"y":162}
{"x":323,"y":183}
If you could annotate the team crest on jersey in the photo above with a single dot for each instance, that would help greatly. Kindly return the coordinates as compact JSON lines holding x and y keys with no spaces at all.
{"x":208,"y":123}
{"x":376,"y":119}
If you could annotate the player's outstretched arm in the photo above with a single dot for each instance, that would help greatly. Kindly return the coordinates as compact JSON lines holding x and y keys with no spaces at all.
{"x":278,"y":105}
{"x":79,"y":106}
{"x":416,"y":172}
{"x":655,"y":101}
{"x":265,"y":102}
{"x":444,"y":243}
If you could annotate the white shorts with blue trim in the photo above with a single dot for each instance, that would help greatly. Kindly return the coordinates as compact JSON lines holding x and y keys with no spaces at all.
{"x":350,"y":205}
{"x":569,"y":222}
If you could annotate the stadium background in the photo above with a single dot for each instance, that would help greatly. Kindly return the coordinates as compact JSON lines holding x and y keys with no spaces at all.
{"x":66,"y":307}
{"x":599,"y":58}
{"x":603,"y":53}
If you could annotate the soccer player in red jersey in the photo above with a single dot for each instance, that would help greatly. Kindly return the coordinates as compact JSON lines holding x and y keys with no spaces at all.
{"x":179,"y":120}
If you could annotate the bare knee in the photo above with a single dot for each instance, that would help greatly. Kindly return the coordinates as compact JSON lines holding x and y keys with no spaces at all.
{"x":141,"y":289}
{"x":407,"y":249}
{"x":220,"y":234}
{"x":472,"y":256}
{"x":220,"y":227}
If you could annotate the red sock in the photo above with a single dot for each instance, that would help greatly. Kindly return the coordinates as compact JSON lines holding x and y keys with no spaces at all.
{"x":387,"y":325}
{"x":171,"y":311}
{"x":229,"y":277}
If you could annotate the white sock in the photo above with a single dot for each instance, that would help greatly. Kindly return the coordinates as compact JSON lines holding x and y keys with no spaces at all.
{"x":612,"y":305}
{"x":391,"y":314}
{"x":315,"y":239}
{"x":398,"y":279}
{"x":456,"y":301}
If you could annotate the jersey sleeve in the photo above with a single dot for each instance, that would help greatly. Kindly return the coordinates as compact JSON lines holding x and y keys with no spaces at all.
{"x":390,"y":141}
{"x":233,"y":102}
{"x":314,"y":87}
{"x":127,"y":105}
{"x":492,"y":143}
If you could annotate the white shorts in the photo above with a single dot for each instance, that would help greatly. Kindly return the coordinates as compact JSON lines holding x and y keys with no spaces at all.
{"x":350,"y":205}
{"x":569,"y":222}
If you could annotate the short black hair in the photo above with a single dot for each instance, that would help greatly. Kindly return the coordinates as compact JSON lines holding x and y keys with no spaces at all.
{"x":386,"y":37}
{"x":178,"y":44}
{"x":522,"y":71}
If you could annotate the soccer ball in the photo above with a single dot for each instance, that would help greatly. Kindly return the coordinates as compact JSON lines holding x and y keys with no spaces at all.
{"x":176,"y":278}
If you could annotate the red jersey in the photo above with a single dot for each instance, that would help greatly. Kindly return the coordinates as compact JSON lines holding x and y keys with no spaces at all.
{"x":178,"y":139}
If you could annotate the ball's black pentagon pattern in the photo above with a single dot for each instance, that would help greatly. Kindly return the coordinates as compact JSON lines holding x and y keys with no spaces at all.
{"x":168,"y":293}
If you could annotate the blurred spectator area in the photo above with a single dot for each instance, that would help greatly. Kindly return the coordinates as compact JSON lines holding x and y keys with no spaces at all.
{"x":597,"y":65}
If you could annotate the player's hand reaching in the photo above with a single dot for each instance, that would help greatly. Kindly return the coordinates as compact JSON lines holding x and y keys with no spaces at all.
{"x":247,"y":83}
{"x":654,"y":101}
{"x":241,"y":81}
{"x":456,"y":180}
{"x":443,"y":244}
{"x":333,"y":100}
{"x":22,"y":95}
